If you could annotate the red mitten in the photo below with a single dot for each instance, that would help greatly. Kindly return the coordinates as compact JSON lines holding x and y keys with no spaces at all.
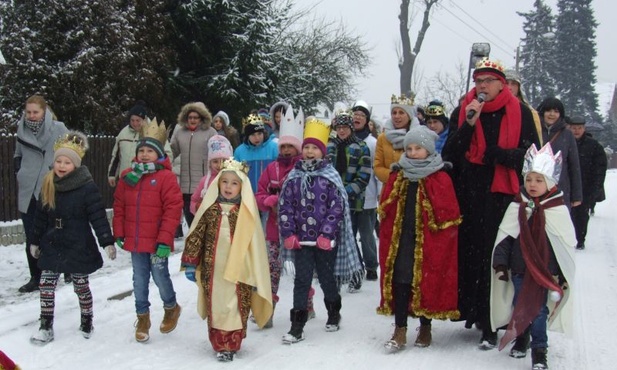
{"x":324,"y":243}
{"x":291,"y":242}
{"x":271,"y":201}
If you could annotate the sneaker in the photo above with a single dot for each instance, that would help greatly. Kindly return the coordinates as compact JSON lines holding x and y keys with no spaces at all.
{"x":225,"y":356}
{"x":45,"y":334}
{"x":538,"y":359}
{"x":30,"y":286}
{"x":86,"y":327}
{"x":170,"y":320}
{"x":371,"y":275}
{"x":488,"y":340}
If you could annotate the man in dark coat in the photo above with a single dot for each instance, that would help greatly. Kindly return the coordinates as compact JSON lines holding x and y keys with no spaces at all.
{"x":593,"y":165}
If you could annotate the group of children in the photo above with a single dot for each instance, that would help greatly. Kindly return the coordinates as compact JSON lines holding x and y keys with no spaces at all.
{"x":226,"y":255}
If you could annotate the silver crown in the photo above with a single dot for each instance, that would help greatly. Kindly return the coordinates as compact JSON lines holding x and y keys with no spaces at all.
{"x":543,"y":161}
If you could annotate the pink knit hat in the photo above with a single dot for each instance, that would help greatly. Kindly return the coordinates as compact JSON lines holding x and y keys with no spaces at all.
{"x":219,"y":147}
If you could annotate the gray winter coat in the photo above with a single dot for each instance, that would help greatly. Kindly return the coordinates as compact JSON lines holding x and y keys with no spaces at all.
{"x":34,"y":154}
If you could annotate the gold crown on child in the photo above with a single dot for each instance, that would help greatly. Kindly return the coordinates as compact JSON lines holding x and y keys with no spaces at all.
{"x":317,"y":129}
{"x":543,"y":161}
{"x":233,"y":165}
{"x":402,"y":99}
{"x":74,"y":140}
{"x":154,"y":130}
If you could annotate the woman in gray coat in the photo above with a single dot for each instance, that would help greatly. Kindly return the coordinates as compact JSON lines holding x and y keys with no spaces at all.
{"x":37,"y":132}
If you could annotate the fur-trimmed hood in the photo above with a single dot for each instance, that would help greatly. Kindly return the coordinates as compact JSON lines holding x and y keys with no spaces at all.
{"x":198,"y":107}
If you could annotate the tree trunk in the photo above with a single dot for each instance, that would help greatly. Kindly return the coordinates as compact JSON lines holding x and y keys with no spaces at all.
{"x":409,"y":55}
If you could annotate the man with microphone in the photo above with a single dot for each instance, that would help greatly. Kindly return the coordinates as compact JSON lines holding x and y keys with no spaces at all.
{"x":494,"y":131}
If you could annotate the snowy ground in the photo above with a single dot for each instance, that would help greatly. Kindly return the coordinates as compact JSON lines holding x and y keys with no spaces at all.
{"x":358,"y":345}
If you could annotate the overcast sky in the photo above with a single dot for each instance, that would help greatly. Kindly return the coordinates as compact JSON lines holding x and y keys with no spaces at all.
{"x":455,"y":25}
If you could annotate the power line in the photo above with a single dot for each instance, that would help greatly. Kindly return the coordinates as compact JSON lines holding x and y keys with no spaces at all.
{"x":481,"y":25}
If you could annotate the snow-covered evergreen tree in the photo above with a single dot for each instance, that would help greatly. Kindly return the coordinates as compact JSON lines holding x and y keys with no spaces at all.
{"x":537,"y":55}
{"x":576,"y":70}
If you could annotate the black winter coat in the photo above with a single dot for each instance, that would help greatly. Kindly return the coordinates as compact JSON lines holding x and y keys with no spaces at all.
{"x":593,"y":163}
{"x":64,"y":233}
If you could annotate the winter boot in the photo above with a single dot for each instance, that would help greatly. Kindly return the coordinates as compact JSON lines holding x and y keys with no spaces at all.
{"x":538,"y":359}
{"x":45,"y":334}
{"x":142,"y":325}
{"x":519,"y":349}
{"x":296,"y":333}
{"x":310,"y":306}
{"x":225,"y":356}
{"x":30,"y":286}
{"x":86,"y":327}
{"x":334,"y":314}
{"x":488,"y":340}
{"x":371,"y":275}
{"x":67,"y":278}
{"x":424,"y":337}
{"x":398,"y":340}
{"x":170,"y":320}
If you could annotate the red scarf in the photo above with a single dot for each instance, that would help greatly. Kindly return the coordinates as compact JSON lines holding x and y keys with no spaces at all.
{"x":536,"y":254}
{"x":505,"y":180}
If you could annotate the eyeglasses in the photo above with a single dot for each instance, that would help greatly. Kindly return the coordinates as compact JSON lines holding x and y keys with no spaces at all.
{"x":359,"y":115}
{"x":434,"y":110}
{"x":480,"y":81}
{"x":194,"y":117}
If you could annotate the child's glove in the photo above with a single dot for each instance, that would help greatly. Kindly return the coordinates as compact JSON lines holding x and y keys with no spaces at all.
{"x":324,"y":243}
{"x":163,"y":251}
{"x":189,"y":272}
{"x":292,"y":242}
{"x":502,"y":273}
{"x":111,"y":252}
{"x":120,"y":243}
{"x":271,"y":200}
{"x":35,"y":251}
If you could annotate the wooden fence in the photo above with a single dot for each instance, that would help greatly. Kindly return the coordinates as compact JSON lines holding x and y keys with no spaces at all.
{"x":97,"y":159}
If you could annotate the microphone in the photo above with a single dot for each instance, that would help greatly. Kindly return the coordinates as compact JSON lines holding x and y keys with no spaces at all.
{"x":471,"y":113}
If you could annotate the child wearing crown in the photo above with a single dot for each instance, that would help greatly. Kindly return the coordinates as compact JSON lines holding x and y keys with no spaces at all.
{"x":69,"y":208}
{"x":315,"y":224}
{"x":533,"y":261}
{"x":225,"y":254}
{"x":147,"y":210}
{"x":418,"y":242}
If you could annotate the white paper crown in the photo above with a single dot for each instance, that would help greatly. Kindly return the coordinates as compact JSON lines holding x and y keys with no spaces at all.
{"x":290,"y":126}
{"x":543,"y":161}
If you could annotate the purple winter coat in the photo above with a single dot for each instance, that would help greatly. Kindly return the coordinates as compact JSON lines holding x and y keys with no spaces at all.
{"x":317,"y":211}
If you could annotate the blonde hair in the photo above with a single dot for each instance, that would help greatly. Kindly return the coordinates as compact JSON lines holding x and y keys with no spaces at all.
{"x":48,"y":191}
{"x":37,"y":99}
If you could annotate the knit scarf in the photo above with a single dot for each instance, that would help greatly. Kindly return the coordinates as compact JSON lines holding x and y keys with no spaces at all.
{"x":34,"y":126}
{"x":505,"y":180}
{"x":141,"y":168}
{"x":416,"y":169}
{"x":364,"y":133}
{"x":396,"y":136}
{"x":73,"y":180}
{"x":536,"y":254}
{"x":348,"y":264}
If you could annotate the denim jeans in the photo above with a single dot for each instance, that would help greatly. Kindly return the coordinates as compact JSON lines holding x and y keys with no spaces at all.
{"x":145,"y":264}
{"x":364,"y":221}
{"x":539,"y":337}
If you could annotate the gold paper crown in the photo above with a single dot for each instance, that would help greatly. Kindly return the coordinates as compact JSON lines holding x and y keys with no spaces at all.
{"x":75,"y":141}
{"x":492,"y":64}
{"x":402,"y":99}
{"x":154,"y":130}
{"x":317,"y":129}
{"x":233,"y":165}
{"x":252,"y":119}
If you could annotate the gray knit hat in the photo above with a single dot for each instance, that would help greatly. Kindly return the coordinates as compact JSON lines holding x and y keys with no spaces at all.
{"x":422,"y":136}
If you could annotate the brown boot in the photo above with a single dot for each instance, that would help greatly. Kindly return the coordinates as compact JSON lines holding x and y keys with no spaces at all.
{"x":398,"y":340}
{"x":170,"y":320}
{"x":142,"y":331}
{"x":424,"y":336}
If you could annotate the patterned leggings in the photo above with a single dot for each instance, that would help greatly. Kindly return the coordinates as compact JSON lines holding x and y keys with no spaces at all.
{"x":47,"y":286}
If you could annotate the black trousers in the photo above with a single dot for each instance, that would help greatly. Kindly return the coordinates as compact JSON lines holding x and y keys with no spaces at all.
{"x":28,"y":221}
{"x":580,"y":219}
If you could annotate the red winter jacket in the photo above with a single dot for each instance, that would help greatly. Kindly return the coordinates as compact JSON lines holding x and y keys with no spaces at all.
{"x":148,"y":213}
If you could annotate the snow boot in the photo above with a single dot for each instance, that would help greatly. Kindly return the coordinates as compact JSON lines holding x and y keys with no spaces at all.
{"x":86,"y":327}
{"x":424,"y":337}
{"x":398,"y":340}
{"x":334,"y":314}
{"x":521,"y":344}
{"x":170,"y":320}
{"x":30,"y":286}
{"x":538,"y":359}
{"x":45,"y":334}
{"x":296,"y":333}
{"x":488,"y":340}
{"x":142,"y":325}
{"x":310,"y":307}
{"x":371,"y":275}
{"x":225,"y":356}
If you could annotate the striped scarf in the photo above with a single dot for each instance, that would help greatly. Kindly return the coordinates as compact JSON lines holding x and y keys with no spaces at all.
{"x":139,"y":169}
